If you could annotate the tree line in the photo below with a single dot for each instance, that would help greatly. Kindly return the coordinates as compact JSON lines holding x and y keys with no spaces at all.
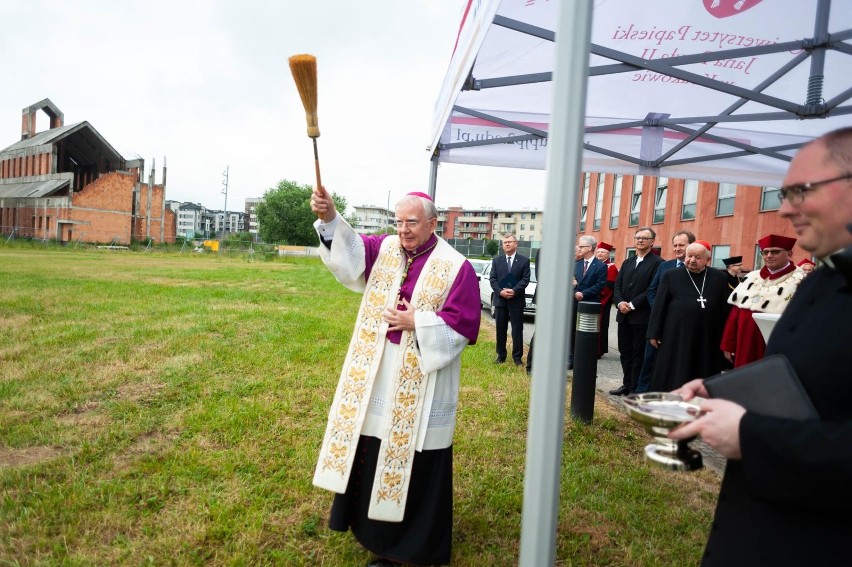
{"x":285,"y":214}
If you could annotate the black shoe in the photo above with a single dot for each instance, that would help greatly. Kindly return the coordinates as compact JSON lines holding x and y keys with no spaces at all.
{"x":622,"y":391}
{"x":519,"y":363}
{"x":499,"y":360}
{"x":570,"y":366}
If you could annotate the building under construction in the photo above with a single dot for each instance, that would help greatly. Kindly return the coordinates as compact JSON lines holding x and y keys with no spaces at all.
{"x":68,"y":184}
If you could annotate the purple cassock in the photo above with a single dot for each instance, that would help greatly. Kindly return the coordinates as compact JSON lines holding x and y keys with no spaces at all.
{"x":458,"y":312}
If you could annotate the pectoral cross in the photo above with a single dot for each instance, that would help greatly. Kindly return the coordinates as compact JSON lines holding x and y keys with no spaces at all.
{"x":702,"y":301}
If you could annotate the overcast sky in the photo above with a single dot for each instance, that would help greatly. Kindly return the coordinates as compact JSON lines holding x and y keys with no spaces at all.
{"x":206,"y":85}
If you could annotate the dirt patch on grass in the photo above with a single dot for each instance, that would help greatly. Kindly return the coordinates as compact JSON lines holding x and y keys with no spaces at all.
{"x":139,"y":391}
{"x":26,"y":456}
{"x":149,"y":443}
{"x":83,"y":415}
{"x":14,"y":322}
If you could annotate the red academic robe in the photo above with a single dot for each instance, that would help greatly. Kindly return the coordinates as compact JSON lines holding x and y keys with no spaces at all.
{"x":742,"y":335}
{"x":606,"y":305}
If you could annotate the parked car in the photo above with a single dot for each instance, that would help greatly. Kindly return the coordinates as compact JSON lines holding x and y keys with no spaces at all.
{"x":486,"y":294}
{"x":478,"y":266}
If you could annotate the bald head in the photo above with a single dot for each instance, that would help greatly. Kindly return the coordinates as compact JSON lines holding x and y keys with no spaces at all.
{"x":819,"y":214}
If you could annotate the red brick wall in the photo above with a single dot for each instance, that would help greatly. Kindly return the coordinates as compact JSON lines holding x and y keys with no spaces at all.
{"x":107,"y":204}
{"x":740,"y":231}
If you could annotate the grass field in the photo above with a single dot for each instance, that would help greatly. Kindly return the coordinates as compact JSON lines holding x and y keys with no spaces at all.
{"x":167,"y":410}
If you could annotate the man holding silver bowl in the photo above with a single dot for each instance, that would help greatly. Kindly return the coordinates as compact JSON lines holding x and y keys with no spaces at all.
{"x":786,"y":497}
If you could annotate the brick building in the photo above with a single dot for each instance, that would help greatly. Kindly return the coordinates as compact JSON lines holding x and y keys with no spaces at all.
{"x":730,"y":217}
{"x":68,"y":183}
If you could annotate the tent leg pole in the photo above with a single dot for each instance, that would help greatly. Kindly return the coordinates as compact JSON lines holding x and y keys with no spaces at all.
{"x":547,"y":394}
{"x":433,"y":177}
{"x":817,"y":73}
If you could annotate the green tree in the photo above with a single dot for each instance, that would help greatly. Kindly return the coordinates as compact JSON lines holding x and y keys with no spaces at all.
{"x":285,"y":214}
{"x":491,"y":247}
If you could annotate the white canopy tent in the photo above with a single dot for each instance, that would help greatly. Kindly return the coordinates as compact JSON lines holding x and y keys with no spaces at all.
{"x":720,"y":90}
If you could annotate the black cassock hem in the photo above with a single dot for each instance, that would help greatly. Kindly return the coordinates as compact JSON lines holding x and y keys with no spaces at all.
{"x":424,"y":536}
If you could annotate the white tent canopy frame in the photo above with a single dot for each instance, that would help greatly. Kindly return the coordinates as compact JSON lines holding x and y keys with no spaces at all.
{"x":682,"y":139}
{"x":767,"y":119}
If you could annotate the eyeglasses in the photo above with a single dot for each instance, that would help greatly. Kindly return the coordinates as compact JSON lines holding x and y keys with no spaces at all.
{"x":795,"y":194}
{"x":771,"y":252}
{"x":643,"y":238}
{"x":407,"y":223}
{"x":505,"y":242}
{"x":579,"y":246}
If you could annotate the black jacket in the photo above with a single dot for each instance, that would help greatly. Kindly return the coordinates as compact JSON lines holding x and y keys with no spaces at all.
{"x":520,"y":273}
{"x":631,"y":285}
{"x":789,"y":500}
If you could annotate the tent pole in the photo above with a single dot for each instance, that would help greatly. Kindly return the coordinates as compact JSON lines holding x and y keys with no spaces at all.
{"x":817,"y":74}
{"x":547,"y":395}
{"x":433,"y":176}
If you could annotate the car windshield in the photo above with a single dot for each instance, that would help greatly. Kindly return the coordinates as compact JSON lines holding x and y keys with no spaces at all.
{"x":478,"y":265}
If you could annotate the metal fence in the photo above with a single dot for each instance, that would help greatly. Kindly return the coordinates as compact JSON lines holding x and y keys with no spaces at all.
{"x":478,"y":248}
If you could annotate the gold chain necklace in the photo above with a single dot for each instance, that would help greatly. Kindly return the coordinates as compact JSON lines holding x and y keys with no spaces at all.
{"x":410,"y":257}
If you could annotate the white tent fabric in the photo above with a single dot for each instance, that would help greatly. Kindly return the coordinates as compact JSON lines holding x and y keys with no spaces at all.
{"x":718,"y":90}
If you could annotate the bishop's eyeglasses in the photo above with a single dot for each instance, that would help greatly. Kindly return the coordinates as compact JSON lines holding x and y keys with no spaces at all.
{"x":795,"y":193}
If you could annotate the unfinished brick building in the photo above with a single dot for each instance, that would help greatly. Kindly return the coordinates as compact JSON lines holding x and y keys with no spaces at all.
{"x":68,"y":183}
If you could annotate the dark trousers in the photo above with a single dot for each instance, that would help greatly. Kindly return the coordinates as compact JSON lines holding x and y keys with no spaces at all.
{"x":603,"y":337}
{"x":503,"y":316}
{"x":529,"y":354}
{"x":644,"y":381}
{"x":631,"y":345}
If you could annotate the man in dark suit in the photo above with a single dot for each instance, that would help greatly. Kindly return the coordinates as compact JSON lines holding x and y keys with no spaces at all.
{"x":786,"y":492}
{"x":510,"y":275}
{"x":589,"y":280}
{"x":631,"y":287}
{"x":680,"y":241}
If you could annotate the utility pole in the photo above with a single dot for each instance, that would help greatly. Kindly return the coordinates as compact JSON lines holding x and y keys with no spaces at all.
{"x":387,"y":215}
{"x":225,"y":192}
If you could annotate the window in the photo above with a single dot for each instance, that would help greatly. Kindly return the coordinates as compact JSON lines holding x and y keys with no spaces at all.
{"x":532,"y":216}
{"x":758,"y":258}
{"x":719,"y":253}
{"x":616,"y":201}
{"x":599,"y":202}
{"x":769,"y":199}
{"x":725,"y":202}
{"x":660,"y":199}
{"x":690,"y":198}
{"x":523,"y":215}
{"x":631,"y":253}
{"x":532,"y":227}
{"x":636,"y":202}
{"x":523,"y":227}
{"x":585,"y":202}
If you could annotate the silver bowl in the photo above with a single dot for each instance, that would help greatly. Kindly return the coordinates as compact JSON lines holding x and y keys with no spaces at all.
{"x":659,"y":413}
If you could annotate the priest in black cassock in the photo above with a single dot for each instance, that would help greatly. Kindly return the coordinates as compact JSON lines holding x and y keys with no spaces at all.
{"x":687,"y":321}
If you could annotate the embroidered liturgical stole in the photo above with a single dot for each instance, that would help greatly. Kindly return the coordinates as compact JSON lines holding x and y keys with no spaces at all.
{"x":409,"y":386}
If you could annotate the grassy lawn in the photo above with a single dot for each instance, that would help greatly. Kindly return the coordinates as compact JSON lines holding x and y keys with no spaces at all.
{"x":167,"y":410}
